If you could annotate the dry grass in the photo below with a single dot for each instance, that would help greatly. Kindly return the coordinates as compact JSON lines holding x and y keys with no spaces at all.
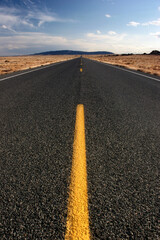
{"x":13,"y":64}
{"x":144,"y":63}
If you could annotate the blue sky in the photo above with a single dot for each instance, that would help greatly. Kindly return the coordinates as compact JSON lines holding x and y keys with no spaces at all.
{"x":120,"y":26}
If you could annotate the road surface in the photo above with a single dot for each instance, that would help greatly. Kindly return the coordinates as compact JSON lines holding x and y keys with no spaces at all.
{"x":122,"y":132}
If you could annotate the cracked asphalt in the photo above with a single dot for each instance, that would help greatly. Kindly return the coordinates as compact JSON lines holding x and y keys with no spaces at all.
{"x":122,"y":123}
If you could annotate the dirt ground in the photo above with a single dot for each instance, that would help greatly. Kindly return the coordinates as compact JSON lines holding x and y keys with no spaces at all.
{"x":14,"y":64}
{"x":143,"y":63}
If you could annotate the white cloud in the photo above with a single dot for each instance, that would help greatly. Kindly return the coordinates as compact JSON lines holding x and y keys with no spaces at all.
{"x":44,"y":17}
{"x":12,"y":17}
{"x":159,"y":8}
{"x":28,"y":3}
{"x":98,"y":32}
{"x":133,"y":24}
{"x":108,"y":15}
{"x":113,"y":36}
{"x":27,"y":39}
{"x":155,"y":22}
{"x":157,"y":34}
{"x":32,"y":42}
{"x":112,"y":33}
{"x":123,"y":43}
{"x":4,"y":27}
{"x":8,"y":19}
{"x":7,"y":28}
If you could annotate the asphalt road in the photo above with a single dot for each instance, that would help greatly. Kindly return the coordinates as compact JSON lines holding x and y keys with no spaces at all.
{"x":37,"y":120}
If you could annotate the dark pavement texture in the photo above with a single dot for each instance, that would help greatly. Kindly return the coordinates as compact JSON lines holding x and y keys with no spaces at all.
{"x":122,"y":118}
{"x":37,"y":127}
{"x":122,"y":138}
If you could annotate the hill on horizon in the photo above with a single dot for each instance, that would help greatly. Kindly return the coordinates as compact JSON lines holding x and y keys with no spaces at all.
{"x":155,"y":52}
{"x":70,"y":52}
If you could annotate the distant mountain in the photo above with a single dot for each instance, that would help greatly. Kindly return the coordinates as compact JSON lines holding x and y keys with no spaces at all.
{"x":155,"y":52}
{"x":70,"y":52}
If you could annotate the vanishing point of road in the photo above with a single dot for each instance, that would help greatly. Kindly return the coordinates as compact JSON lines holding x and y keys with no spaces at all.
{"x":79,"y":153}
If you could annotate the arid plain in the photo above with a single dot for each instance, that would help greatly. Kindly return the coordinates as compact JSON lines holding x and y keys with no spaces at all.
{"x":143,"y":63}
{"x":14,"y":64}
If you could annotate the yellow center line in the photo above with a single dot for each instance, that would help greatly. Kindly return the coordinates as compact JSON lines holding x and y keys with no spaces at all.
{"x":77,"y":227}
